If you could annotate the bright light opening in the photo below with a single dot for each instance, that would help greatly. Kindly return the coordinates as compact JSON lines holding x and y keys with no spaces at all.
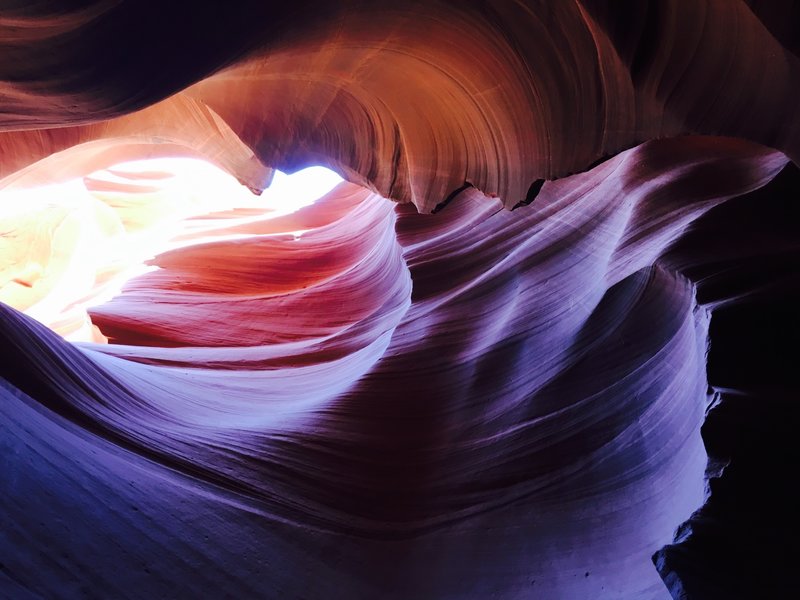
{"x":285,"y":194}
{"x":67,"y":247}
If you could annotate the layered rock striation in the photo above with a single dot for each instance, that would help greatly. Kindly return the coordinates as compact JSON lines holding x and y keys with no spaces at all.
{"x":362,"y":399}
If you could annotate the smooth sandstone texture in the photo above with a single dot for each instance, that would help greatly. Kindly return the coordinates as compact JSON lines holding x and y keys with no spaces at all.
{"x":361,"y":399}
{"x":415,"y":100}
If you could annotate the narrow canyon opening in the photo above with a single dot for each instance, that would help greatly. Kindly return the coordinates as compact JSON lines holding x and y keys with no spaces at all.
{"x":393,"y":386}
{"x":70,"y":247}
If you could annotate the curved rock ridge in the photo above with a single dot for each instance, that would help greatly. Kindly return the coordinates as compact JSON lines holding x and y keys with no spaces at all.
{"x":67,"y":246}
{"x":414,"y":101}
{"x":469,"y":403}
{"x":573,"y":379}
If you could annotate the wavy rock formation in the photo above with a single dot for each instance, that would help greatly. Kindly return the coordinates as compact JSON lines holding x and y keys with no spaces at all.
{"x":360,"y":399}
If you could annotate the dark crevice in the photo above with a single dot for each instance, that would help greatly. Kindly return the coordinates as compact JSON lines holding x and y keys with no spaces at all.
{"x":441,"y":206}
{"x":741,"y":543}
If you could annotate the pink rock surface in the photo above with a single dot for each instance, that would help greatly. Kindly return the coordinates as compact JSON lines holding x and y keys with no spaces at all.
{"x":360,"y":399}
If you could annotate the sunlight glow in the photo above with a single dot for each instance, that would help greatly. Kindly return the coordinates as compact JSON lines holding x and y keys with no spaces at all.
{"x":65,"y":248}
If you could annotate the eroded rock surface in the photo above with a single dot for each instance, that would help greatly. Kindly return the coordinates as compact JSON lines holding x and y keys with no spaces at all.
{"x":361,"y":399}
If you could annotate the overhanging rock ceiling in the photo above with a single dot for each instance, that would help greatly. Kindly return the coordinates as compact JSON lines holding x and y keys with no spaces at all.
{"x":574,"y":327}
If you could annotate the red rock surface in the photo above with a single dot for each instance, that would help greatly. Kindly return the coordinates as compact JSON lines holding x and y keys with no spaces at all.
{"x":362,"y":399}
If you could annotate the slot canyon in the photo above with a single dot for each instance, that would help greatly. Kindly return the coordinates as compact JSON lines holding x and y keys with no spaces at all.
{"x":530,"y":330}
